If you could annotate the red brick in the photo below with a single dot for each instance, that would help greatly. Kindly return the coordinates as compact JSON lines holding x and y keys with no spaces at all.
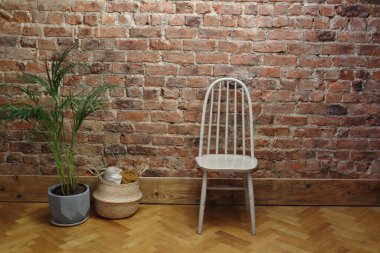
{"x":184,"y":7}
{"x":85,"y":32}
{"x":349,"y":61}
{"x":273,"y":131}
{"x":197,"y":82}
{"x":160,"y":44}
{"x":171,"y":93}
{"x":181,"y":58}
{"x":315,"y":62}
{"x":287,"y":143}
{"x":376,"y":37}
{"x":220,"y":58}
{"x":251,"y":34}
{"x":130,"y":44}
{"x":228,"y":21}
{"x":144,"y":33}
{"x":229,"y":9}
{"x":9,"y":65}
{"x":265,"y":9}
{"x":169,"y":117}
{"x":121,"y":7}
{"x":168,"y":140}
{"x":246,"y":22}
{"x":105,"y":56}
{"x":371,"y":50}
{"x":301,"y":48}
{"x":22,"y":17}
{"x":161,"y":70}
{"x":352,"y":144}
{"x":132,"y":116}
{"x":195,"y":70}
{"x":264,"y":22}
{"x":268,"y":72}
{"x":151,"y":94}
{"x":58,"y":32}
{"x":374,"y":145}
{"x":325,"y":120}
{"x":91,"y":19}
{"x":150,"y":7}
{"x":156,"y":20}
{"x":327,"y":10}
{"x":222,"y":70}
{"x":199,"y":45}
{"x":86,"y":6}
{"x":245,"y":59}
{"x":56,"y":18}
{"x":273,"y":47}
{"x":336,"y":49}
{"x":180,"y":33}
{"x":279,"y":60}
{"x":250,"y":8}
{"x":284,"y":34}
{"x":135,"y":139}
{"x":361,"y":132}
{"x":176,"y":20}
{"x":211,"y":20}
{"x":351,"y":37}
{"x":203,"y":8}
{"x":308,"y":132}
{"x":54,"y":5}
{"x":127,"y":68}
{"x":143,"y":56}
{"x":154,"y":81}
{"x":291,"y":120}
{"x":235,"y":47}
{"x":304,"y":22}
{"x":192,"y":21}
{"x":109,"y":19}
{"x":299,"y":73}
{"x":73,"y":19}
{"x":148,"y":127}
{"x":111,"y":33}
{"x":213,"y":34}
{"x":312,"y":108}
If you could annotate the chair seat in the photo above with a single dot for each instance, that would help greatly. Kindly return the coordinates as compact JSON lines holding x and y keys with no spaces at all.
{"x":226,"y":162}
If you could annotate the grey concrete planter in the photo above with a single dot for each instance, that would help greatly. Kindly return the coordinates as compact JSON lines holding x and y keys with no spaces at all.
{"x":68,"y":210}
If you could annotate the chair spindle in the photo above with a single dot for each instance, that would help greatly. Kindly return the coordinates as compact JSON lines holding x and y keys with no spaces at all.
{"x":210,"y":122}
{"x":218,"y":120}
{"x":235,"y":119}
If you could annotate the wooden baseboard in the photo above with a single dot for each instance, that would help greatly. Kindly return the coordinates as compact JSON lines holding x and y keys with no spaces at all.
{"x":340,"y":192}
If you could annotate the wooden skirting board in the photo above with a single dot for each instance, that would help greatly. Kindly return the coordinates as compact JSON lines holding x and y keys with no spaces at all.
{"x":340,"y":192}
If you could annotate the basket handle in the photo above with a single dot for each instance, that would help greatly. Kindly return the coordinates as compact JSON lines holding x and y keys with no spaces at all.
{"x":140,"y":172}
{"x":97,"y":173}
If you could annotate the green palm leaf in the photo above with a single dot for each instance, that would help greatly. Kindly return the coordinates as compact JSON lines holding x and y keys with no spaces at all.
{"x":51,"y":119}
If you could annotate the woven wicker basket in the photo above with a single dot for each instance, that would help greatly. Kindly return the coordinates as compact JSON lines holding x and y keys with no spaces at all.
{"x":116,"y":201}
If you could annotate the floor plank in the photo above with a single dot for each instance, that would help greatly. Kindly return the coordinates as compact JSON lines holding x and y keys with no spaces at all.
{"x":171,"y":228}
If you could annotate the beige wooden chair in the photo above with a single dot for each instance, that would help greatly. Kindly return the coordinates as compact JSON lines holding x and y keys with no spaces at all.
{"x":227,"y":158}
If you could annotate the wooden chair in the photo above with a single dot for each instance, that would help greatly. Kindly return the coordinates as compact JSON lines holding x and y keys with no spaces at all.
{"x":227,"y":159}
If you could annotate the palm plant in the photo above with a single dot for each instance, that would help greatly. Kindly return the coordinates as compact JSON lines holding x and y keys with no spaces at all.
{"x":50,"y":118}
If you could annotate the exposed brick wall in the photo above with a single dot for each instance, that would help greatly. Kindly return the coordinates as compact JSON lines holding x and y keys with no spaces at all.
{"x":313,"y":68}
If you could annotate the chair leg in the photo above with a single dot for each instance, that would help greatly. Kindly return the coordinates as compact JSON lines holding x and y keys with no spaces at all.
{"x":251,"y":203}
{"x":202,"y":202}
{"x":245,"y":182}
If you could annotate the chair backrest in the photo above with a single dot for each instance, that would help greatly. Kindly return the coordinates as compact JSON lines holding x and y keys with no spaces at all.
{"x":213,"y":109}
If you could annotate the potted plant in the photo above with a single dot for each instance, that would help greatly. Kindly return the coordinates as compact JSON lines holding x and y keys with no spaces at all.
{"x":58,"y":113}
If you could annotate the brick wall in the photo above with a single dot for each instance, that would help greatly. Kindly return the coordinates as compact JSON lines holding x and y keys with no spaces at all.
{"x":313,"y":68}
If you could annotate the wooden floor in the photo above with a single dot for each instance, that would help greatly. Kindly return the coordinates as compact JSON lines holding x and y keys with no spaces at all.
{"x":171,"y":228}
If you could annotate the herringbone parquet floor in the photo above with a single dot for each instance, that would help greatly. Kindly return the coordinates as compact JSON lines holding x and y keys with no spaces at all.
{"x":171,"y":228}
